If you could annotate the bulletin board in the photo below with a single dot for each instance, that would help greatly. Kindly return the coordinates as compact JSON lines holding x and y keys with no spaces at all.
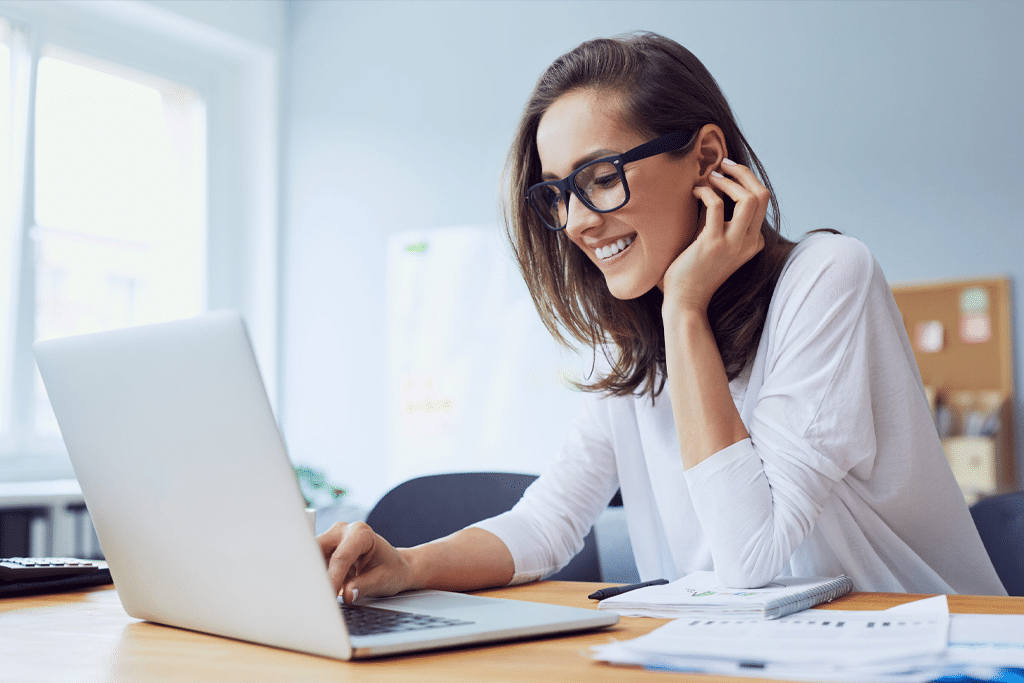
{"x":961,"y":333}
{"x":973,"y":353}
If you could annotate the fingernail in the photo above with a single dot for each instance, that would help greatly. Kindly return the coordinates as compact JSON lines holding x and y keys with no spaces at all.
{"x":717,"y":174}
{"x":355,"y":594}
{"x":728,"y":162}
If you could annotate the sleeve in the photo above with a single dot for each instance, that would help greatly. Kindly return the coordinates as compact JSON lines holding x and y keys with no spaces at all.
{"x":812,"y":420}
{"x":547,"y":527}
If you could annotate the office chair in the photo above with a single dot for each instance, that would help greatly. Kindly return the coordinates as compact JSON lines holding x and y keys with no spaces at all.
{"x":429,"y":507}
{"x":1000,"y":522}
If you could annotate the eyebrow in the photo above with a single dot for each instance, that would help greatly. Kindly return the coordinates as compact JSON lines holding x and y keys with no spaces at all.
{"x":596,"y":154}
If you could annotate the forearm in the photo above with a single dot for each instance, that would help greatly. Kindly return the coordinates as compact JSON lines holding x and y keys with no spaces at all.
{"x":705,"y":415}
{"x":469,"y":559}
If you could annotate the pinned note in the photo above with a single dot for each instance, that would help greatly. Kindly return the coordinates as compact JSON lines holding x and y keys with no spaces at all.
{"x":975,"y":329}
{"x":974,"y":300}
{"x":975,"y":322}
{"x":930,"y":336}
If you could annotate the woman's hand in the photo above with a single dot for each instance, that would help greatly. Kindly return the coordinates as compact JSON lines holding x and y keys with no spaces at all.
{"x":361,"y":563}
{"x":705,"y":415}
{"x":719,"y":247}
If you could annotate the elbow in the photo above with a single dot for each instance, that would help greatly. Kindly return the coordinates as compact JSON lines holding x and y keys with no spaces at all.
{"x":753,"y":566}
{"x":753,"y":557}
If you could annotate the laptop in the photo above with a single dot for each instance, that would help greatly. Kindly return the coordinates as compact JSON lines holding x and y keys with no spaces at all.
{"x":198,"y":510}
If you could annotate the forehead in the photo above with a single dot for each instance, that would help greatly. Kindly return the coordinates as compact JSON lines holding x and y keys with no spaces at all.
{"x":579,"y":125}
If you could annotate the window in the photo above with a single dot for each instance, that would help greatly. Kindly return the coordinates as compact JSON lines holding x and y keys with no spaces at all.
{"x":110,"y":150}
{"x":118,"y":231}
{"x":6,"y":232}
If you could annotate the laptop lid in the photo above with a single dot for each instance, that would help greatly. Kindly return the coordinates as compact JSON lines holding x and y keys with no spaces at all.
{"x":197,"y":507}
{"x":182,"y":467}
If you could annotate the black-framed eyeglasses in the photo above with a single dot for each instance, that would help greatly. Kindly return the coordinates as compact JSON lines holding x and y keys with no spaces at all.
{"x":600,"y":184}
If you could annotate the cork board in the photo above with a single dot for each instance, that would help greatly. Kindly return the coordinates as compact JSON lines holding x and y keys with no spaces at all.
{"x":972,"y":317}
{"x":961,"y":334}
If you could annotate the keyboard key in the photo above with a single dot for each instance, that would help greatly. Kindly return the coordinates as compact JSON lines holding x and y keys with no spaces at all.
{"x":13,"y":569}
{"x":362,"y":620}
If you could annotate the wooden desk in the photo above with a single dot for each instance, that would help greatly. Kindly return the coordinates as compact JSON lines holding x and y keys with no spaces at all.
{"x":86,"y":637}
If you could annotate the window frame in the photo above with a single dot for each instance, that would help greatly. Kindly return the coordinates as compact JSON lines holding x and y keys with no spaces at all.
{"x":238,"y":80}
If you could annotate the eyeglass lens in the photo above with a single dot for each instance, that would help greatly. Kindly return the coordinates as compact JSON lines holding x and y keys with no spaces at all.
{"x":599,"y":185}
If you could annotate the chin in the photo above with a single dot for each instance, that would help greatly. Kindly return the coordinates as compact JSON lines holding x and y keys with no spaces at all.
{"x":624,"y":291}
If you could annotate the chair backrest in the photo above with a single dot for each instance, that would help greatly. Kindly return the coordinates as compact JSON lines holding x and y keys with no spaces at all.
{"x":426,"y":508}
{"x":1000,"y":522}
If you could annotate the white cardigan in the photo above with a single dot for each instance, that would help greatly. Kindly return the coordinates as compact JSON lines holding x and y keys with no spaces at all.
{"x":843,"y":472}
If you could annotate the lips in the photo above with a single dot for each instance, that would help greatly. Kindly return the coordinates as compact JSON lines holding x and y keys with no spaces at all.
{"x":613,"y":248}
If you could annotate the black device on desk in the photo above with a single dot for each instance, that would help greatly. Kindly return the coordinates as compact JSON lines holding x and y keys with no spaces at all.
{"x":34,"y":575}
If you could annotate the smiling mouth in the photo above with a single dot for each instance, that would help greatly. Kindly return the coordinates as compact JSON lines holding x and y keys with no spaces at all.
{"x":616,"y":247}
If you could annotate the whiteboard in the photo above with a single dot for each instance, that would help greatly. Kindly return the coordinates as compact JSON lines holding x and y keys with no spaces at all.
{"x":474,"y":380}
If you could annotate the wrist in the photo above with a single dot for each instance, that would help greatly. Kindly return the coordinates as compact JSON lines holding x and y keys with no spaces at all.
{"x":414,"y":568}
{"x":680,"y":313}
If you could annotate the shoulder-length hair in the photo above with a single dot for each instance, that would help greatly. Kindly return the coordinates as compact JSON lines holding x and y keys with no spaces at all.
{"x":659,"y":87}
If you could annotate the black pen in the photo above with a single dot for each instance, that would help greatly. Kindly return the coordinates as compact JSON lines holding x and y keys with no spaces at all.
{"x":619,"y":590}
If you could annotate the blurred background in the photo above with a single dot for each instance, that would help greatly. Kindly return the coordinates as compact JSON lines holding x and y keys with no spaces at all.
{"x":332,"y":169}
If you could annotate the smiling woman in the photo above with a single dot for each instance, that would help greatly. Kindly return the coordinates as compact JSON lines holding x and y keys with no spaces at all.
{"x":583,"y":121}
{"x":605,"y":99}
{"x":755,"y":400}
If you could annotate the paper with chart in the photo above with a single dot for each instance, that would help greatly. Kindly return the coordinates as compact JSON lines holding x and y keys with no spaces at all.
{"x":844,"y":638}
{"x":822,"y":645}
{"x":810,"y":645}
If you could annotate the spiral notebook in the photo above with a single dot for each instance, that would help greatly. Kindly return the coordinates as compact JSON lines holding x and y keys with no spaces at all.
{"x":701,"y":593}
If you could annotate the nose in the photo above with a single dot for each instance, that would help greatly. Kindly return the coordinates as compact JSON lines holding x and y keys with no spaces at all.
{"x":580,"y":218}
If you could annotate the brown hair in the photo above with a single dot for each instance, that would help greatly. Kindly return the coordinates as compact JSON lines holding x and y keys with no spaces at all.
{"x":661,"y":87}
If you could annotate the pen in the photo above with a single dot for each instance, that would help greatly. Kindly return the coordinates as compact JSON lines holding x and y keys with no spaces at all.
{"x":619,"y":590}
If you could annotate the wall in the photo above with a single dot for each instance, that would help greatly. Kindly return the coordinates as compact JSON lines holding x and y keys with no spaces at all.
{"x":261,"y":22}
{"x":895,"y":122}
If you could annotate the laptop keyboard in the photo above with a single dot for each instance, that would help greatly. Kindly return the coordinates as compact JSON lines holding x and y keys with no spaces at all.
{"x":362,"y":620}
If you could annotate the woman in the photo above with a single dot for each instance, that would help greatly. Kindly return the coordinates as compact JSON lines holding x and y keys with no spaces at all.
{"x":756,"y":401}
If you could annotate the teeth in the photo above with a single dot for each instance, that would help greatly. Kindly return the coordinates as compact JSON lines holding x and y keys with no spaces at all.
{"x":613,"y":248}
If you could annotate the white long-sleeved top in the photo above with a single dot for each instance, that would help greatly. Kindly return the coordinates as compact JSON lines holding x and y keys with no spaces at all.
{"x":843,"y":472}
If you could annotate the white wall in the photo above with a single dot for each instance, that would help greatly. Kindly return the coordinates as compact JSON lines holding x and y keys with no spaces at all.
{"x":895,"y":122}
{"x":261,"y":22}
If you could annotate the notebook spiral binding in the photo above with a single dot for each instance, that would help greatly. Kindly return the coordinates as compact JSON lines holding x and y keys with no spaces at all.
{"x":827,"y":592}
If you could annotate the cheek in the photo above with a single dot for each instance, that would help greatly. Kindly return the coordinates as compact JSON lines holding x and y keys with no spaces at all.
{"x":672,"y":221}
{"x":577,"y":244}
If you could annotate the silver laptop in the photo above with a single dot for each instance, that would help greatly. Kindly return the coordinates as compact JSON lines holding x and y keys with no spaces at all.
{"x":198,"y":510}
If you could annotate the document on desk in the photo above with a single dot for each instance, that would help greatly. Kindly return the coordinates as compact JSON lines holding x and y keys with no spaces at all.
{"x":915,"y":642}
{"x":822,"y":645}
{"x":985,"y":640}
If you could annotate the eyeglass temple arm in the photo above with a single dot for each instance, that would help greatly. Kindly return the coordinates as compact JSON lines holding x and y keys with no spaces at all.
{"x":666,"y":143}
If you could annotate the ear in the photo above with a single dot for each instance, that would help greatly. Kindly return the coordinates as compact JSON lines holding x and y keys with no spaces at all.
{"x":709,"y":150}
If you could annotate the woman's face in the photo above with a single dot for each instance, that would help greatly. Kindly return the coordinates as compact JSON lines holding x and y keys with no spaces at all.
{"x":657,"y":223}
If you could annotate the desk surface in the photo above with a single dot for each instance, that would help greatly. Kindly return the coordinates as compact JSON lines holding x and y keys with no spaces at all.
{"x":86,"y":637}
